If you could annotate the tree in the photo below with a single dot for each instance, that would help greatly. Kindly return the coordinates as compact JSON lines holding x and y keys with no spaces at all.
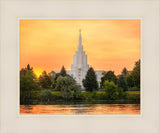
{"x":90,"y":82}
{"x":124,"y":72}
{"x":27,"y":79}
{"x":67,"y":85}
{"x":110,"y":76}
{"x":63,"y":71}
{"x":46,"y":95}
{"x":45,"y":80}
{"x":110,"y":89}
{"x":121,"y":94}
{"x":28,"y":67}
{"x":133,"y":79}
{"x":52,"y":75}
{"x":77,"y":91}
{"x":28,"y":82}
{"x":129,"y":79}
{"x":136,"y":74}
{"x":122,"y":83}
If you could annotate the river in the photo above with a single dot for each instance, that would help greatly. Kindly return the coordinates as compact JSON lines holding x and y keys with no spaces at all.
{"x":81,"y":109}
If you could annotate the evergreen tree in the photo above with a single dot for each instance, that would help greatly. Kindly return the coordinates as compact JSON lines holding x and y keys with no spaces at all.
{"x":45,"y":80}
{"x":122,"y":83}
{"x":109,"y":76}
{"x":28,"y":67}
{"x":63,"y":71}
{"x":124,"y":72}
{"x":90,"y":82}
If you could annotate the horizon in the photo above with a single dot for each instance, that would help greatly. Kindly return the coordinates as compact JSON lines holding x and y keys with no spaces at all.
{"x":56,"y":71}
{"x":50,"y":44}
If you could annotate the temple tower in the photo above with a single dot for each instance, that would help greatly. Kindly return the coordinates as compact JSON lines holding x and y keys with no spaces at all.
{"x":79,"y":67}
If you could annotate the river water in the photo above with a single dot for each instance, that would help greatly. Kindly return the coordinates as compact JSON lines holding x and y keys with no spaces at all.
{"x":81,"y":109}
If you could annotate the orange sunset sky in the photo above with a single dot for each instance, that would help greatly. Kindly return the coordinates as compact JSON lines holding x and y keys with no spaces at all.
{"x":50,"y":44}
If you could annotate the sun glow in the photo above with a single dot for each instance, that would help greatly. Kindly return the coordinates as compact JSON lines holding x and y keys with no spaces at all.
{"x":38,"y":71}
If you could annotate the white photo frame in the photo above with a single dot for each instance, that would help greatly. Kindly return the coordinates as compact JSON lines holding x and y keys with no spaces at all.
{"x":146,"y":123}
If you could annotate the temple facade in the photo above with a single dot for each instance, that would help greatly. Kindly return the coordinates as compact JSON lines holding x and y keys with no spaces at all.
{"x":80,"y":67}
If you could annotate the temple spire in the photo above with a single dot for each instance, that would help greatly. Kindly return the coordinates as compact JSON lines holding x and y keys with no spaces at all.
{"x":79,"y":31}
{"x":80,"y":38}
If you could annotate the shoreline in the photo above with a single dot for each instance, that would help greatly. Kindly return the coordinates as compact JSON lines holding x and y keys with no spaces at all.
{"x":61,"y":102}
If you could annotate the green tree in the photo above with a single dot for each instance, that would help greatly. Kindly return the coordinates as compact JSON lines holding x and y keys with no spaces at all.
{"x":44,"y":80}
{"x":111,"y":90}
{"x":63,"y":71}
{"x":109,"y":76}
{"x":124,"y":72}
{"x":122,"y":83}
{"x":129,"y":79}
{"x":29,"y":68}
{"x":121,"y":94}
{"x":27,"y":79}
{"x":67,"y":85}
{"x":46,"y":95}
{"x":55,"y":79}
{"x":136,"y":74}
{"x":52,"y":76}
{"x":133,"y":79}
{"x":77,"y":91}
{"x":90,"y":82}
{"x":28,"y":82}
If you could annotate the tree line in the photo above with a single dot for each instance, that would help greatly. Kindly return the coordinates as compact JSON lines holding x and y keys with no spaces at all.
{"x":113,"y":86}
{"x":127,"y":79}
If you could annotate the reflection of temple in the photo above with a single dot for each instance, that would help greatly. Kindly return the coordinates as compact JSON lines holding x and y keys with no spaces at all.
{"x":80,"y":67}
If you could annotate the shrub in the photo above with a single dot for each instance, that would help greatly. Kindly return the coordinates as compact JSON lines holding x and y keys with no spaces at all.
{"x":56,"y":96}
{"x":46,"y":95}
{"x":100,"y":96}
{"x":121,"y":94}
{"x":67,"y":85}
{"x":134,"y":89}
{"x":111,"y":90}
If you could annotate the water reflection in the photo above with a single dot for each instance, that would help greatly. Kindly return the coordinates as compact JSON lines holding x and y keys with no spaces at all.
{"x":81,"y":109}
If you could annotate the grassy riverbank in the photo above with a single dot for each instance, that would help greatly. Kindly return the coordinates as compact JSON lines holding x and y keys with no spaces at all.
{"x":97,"y":97}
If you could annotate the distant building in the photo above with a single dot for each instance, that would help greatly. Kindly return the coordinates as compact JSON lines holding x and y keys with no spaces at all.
{"x":80,"y":67}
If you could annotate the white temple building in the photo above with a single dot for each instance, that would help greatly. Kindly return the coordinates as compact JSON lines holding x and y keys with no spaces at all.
{"x":80,"y":67}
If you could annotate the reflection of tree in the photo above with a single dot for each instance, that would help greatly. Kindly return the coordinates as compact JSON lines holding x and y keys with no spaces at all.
{"x":80,"y":109}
